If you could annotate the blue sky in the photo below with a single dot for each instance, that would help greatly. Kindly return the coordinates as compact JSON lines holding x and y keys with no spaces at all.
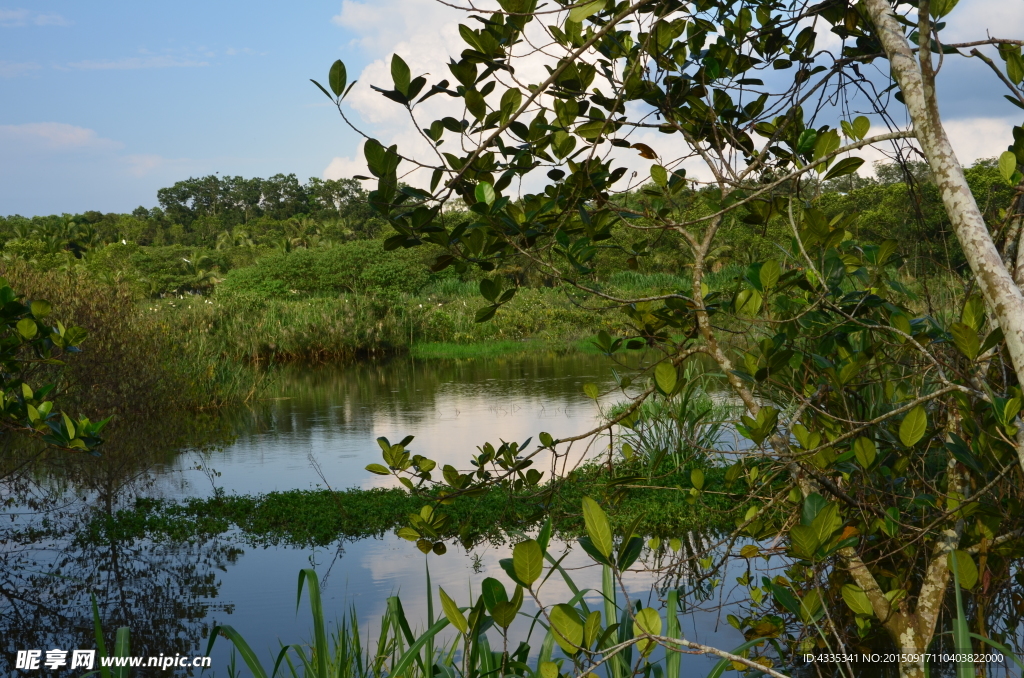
{"x":102,"y":103}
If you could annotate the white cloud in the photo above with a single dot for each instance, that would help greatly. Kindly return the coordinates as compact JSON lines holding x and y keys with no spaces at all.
{"x":974,"y":138}
{"x":134,"y":63}
{"x":14,"y":18}
{"x":425,"y":34}
{"x":978,"y":19}
{"x":55,"y":136}
{"x":12,"y":69}
{"x":343,"y":168}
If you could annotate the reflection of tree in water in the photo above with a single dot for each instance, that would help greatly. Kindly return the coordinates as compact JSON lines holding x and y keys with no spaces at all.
{"x":162,"y":592}
{"x":339,"y":395}
{"x":51,"y":562}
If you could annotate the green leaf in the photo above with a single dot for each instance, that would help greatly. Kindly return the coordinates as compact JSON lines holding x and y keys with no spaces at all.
{"x":591,"y":390}
{"x":40,"y":309}
{"x":805,"y":144}
{"x":804,"y":541}
{"x":580,"y":12}
{"x":568,"y":628}
{"x":865,"y":451}
{"x":476,"y":104}
{"x":658,"y":175}
{"x":400,"y":74}
{"x":994,"y":337}
{"x":857,"y":600}
{"x":697,"y":478}
{"x":593,"y":129}
{"x":591,"y":628}
{"x":826,"y":522}
{"x":489,"y":289}
{"x":598,"y":529}
{"x":968,"y":571}
{"x":810,"y":607}
{"x":1015,"y":67}
{"x":902,"y":323}
{"x":486,"y":313}
{"x":504,"y":612}
{"x":826,"y":143}
{"x":484,"y":193}
{"x":408,"y":533}
{"x":379,"y":469}
{"x":844,"y":167}
{"x":647,"y":622}
{"x":665,"y":377}
{"x":337,"y":78}
{"x":966,"y":339}
{"x":452,"y":612}
{"x":785,"y":598}
{"x":493,"y":592}
{"x":1007,"y":166}
{"x":769,"y":275}
{"x":528,"y":561}
{"x":27,"y":328}
{"x":747,"y":302}
{"x":913,"y":426}
{"x":548,"y":670}
{"x":973,"y":314}
{"x":861,"y":125}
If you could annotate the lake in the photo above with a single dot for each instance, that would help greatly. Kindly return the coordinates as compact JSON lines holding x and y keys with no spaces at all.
{"x":316,"y":428}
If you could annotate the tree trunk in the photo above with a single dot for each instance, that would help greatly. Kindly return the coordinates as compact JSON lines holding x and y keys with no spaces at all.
{"x":994,"y":280}
{"x":916,"y":80}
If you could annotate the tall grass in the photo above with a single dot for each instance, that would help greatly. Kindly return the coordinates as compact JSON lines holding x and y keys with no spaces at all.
{"x":250,"y":328}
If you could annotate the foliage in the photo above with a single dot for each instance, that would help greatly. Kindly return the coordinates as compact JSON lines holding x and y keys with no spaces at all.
{"x":321,"y":517}
{"x":892,"y":424}
{"x":32,"y":339}
{"x":353,"y":267}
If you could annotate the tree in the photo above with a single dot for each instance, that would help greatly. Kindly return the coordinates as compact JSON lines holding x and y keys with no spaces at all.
{"x":28,"y":343}
{"x":885,"y":434}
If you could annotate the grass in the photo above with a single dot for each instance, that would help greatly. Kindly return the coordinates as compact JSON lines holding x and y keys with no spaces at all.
{"x":251,"y":328}
{"x":321,"y":517}
{"x":476,"y":349}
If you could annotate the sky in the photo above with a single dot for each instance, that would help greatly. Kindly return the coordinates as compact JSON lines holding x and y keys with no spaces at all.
{"x":103,"y":103}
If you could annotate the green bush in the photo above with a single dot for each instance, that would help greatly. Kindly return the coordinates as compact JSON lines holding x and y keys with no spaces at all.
{"x":358,"y":266}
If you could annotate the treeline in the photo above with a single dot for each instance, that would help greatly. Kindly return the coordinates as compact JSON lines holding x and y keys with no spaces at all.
{"x":214,"y":212}
{"x":212,"y":229}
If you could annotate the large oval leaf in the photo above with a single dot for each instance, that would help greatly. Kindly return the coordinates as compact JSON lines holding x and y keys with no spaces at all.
{"x":527,"y":561}
{"x":568,"y":628}
{"x":967,"y":571}
{"x":598,"y":529}
{"x":665,"y":377}
{"x":913,"y":426}
{"x":857,"y":600}
{"x":452,"y":612}
{"x":647,"y":622}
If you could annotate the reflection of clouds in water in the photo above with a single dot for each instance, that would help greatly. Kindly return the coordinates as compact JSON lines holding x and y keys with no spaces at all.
{"x":473,"y":421}
{"x":391,"y":564}
{"x":335,"y":415}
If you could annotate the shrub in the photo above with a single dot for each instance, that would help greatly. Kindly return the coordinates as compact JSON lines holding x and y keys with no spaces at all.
{"x":358,"y":266}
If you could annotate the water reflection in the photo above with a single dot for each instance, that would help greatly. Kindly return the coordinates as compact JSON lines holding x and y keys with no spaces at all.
{"x":335,"y":413}
{"x":170,"y":594}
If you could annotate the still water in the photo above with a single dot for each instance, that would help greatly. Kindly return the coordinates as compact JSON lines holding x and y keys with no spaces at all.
{"x":316,"y":428}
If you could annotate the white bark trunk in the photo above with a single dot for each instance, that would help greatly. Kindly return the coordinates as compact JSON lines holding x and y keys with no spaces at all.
{"x":994,"y":280}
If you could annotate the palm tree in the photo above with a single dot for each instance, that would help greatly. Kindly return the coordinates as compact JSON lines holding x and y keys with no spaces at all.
{"x":237,"y":237}
{"x":200,"y":271}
